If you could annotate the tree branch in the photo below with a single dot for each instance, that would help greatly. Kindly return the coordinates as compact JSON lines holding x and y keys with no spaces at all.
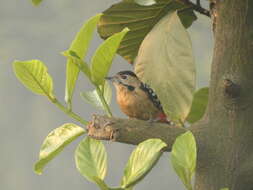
{"x":197,"y":7}
{"x":131,"y":131}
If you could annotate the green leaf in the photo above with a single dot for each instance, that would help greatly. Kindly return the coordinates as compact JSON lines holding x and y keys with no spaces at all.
{"x":145,"y":2}
{"x":74,"y":58}
{"x":183,"y":157}
{"x":55,"y":143}
{"x":199,"y":105}
{"x":102,"y":58}
{"x":107,"y":92}
{"x":140,"y":20}
{"x":165,"y":62}
{"x":80,"y":46}
{"x":224,"y":189}
{"x":93,"y":98}
{"x":33,"y":74}
{"x":91,"y":159}
{"x":141,"y":161}
{"x":36,"y":2}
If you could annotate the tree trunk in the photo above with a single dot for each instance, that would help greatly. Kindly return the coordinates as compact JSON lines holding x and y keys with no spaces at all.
{"x":225,"y":156}
{"x":225,"y":135}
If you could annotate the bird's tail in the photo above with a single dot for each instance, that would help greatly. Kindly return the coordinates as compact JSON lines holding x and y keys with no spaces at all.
{"x":162,"y":117}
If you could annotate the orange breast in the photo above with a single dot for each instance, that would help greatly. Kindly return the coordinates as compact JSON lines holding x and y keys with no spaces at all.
{"x":136,"y":104}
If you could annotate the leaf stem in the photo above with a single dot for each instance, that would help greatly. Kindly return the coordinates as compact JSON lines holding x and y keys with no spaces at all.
{"x":86,"y":71}
{"x":68,"y":111}
{"x":197,"y":7}
{"x":102,"y":98}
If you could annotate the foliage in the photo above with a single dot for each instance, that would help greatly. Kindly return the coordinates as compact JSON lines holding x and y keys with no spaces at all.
{"x":141,"y":161}
{"x":33,"y":74}
{"x":36,"y":2}
{"x":145,"y":2}
{"x":140,"y":20}
{"x":93,"y":98}
{"x":103,"y":56}
{"x":91,"y":159}
{"x":172,"y":70}
{"x":157,"y":31}
{"x":79,"y":46}
{"x":199,"y":105}
{"x":183,"y":158}
{"x":55,"y":142}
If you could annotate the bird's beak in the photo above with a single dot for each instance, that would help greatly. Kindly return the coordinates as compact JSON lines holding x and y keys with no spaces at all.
{"x":109,"y":78}
{"x":113,"y":79}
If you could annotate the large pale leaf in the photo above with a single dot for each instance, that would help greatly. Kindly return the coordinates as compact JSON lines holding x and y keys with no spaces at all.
{"x":80,"y":46}
{"x":55,"y":143}
{"x":93,"y":98}
{"x":141,"y":161}
{"x":199,"y":104}
{"x":183,"y":157}
{"x":165,"y":62}
{"x":91,"y":159}
{"x":140,"y":20}
{"x":103,"y":56}
{"x":33,"y":74}
{"x":224,"y":189}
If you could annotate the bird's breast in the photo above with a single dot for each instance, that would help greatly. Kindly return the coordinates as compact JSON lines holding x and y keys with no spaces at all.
{"x":136,"y":104}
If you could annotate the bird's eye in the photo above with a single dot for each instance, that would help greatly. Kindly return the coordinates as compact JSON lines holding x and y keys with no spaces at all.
{"x":123,"y":76}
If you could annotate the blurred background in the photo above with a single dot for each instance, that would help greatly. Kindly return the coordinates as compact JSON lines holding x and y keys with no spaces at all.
{"x":28,"y":32}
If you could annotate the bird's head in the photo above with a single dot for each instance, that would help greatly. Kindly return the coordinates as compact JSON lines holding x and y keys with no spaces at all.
{"x":125,"y":79}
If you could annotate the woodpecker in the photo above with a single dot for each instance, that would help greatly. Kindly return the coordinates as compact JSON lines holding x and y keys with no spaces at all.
{"x":136,"y":99}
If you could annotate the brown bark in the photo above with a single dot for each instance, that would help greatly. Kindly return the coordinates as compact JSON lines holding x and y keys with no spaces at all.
{"x":225,"y":135}
{"x":226,"y":160}
{"x":131,"y":131}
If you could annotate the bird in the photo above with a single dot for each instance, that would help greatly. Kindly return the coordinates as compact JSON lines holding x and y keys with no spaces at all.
{"x":136,"y":99}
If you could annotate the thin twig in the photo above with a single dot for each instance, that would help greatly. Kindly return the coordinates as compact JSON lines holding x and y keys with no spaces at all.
{"x":69,"y":112}
{"x":104,"y":103}
{"x":197,"y":7}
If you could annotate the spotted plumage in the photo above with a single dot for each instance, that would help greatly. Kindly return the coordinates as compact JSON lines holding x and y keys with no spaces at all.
{"x":136,"y":99}
{"x":152,"y":95}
